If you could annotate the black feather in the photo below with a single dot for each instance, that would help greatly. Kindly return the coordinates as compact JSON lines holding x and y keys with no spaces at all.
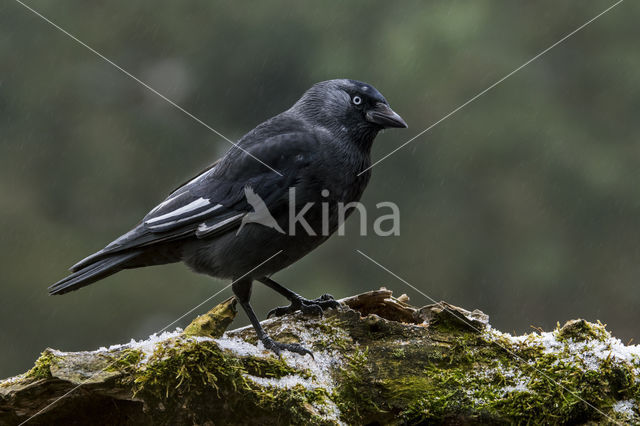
{"x":94,"y":272}
{"x":321,"y":143}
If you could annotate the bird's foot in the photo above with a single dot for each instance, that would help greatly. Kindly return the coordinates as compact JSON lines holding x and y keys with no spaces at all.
{"x":278,"y":347}
{"x":306,"y":306}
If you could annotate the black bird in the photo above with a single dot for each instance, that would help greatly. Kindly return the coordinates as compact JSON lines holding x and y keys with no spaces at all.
{"x":316,"y":148}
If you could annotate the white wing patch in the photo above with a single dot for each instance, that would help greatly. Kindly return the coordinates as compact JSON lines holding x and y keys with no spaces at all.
{"x":185,"y":193}
{"x":200,"y":202}
{"x":166,"y":202}
{"x":204,"y":229}
{"x":191,"y":211}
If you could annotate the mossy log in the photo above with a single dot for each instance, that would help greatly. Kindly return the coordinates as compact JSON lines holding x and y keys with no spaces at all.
{"x":377,"y":360}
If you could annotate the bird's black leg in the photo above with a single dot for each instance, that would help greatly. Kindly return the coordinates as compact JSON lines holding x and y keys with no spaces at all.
{"x":242,"y":290}
{"x":298,"y":303}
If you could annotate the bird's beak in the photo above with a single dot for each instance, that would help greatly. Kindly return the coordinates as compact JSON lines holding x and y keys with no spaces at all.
{"x":384,"y":116}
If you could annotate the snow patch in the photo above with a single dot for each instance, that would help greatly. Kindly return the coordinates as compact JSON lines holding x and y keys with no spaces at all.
{"x":240,"y":347}
{"x":319,"y":367}
{"x":14,"y":379}
{"x":146,"y":346}
{"x":588,"y":354}
{"x":626,"y":408}
{"x":520,"y":386}
{"x":286,"y":382}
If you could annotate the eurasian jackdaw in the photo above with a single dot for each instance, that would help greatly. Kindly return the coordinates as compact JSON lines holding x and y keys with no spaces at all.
{"x":315,"y":151}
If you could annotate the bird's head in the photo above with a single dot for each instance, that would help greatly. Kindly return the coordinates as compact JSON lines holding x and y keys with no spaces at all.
{"x":348,"y":106}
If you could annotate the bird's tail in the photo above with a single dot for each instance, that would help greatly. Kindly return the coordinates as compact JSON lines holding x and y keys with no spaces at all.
{"x":93,"y":272}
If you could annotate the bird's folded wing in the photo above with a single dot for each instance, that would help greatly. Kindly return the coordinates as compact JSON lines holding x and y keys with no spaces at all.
{"x":219,"y":193}
{"x":181,"y":210}
{"x":214,"y":202}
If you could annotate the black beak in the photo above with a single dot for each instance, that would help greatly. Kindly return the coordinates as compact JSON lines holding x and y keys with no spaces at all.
{"x":383,"y":115}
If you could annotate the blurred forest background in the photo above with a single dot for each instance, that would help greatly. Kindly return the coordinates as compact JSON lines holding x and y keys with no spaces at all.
{"x":525,"y":204}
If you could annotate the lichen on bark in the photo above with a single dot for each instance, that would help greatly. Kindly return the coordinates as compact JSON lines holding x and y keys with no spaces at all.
{"x":376,"y":360}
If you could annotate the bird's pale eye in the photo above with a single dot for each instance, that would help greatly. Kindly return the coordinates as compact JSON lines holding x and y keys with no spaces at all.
{"x":357,"y":100}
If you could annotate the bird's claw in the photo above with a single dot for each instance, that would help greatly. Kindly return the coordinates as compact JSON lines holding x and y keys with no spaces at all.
{"x":278,"y":311}
{"x":278,"y":347}
{"x":313,"y":307}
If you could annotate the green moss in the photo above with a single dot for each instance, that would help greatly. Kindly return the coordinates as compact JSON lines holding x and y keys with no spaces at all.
{"x":354,"y":394}
{"x":581,"y":330}
{"x":407,"y":374}
{"x":271,"y":368}
{"x":333,"y":336}
{"x":466,"y":378}
{"x":391,"y":373}
{"x":190,"y":372}
{"x":215,"y":322}
{"x":398,"y":353}
{"x":457,"y":392}
{"x":125,"y":361}
{"x":560,"y":389}
{"x":42,"y":367}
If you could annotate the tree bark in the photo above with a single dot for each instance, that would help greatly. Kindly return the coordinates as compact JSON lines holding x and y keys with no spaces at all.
{"x":377,"y":360}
